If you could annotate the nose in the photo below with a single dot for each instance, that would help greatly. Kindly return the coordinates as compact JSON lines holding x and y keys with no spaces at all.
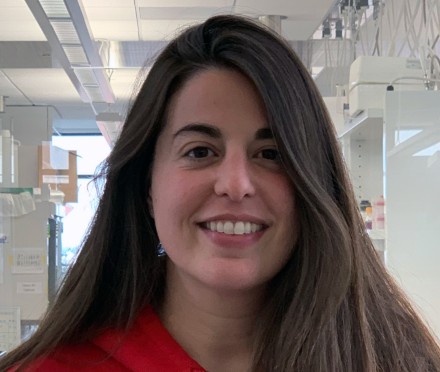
{"x":234,"y":178}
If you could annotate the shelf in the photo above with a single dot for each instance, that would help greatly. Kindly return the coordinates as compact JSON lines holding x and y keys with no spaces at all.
{"x":16,"y":190}
{"x":367,"y":125}
{"x":376,"y":234}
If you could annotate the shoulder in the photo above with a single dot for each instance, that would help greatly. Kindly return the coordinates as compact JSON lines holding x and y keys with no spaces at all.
{"x":147,"y":343}
{"x":84,"y":357}
{"x":146,"y":346}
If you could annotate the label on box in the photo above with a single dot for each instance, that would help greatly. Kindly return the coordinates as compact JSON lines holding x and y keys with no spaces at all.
{"x":29,"y":288}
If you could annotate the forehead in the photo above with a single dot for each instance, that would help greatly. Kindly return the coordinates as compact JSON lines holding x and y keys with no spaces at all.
{"x":217,"y":97}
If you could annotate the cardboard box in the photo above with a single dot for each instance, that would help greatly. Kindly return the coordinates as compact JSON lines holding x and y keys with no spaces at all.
{"x":57,"y":168}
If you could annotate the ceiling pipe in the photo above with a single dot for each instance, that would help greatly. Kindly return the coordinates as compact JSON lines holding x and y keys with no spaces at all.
{"x":110,"y":125}
{"x":81,"y":24}
{"x":66,"y":28}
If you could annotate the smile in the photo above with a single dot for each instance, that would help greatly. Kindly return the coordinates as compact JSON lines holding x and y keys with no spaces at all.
{"x":233,"y":228}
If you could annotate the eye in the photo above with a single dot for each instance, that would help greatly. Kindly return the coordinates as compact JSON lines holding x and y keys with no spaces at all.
{"x":199,"y":152}
{"x":269,"y":154}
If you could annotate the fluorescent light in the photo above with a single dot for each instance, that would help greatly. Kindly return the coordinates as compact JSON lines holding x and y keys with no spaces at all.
{"x":55,"y":8}
{"x":65,"y":31}
{"x":66,"y":28}
{"x":75,"y":54}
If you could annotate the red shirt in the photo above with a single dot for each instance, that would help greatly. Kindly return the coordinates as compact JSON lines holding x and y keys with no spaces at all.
{"x":147,"y":346}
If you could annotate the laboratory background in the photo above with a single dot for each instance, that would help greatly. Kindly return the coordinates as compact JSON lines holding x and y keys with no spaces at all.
{"x":68,"y":69}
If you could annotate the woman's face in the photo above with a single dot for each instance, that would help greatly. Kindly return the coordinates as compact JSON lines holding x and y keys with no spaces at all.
{"x":223,"y":206}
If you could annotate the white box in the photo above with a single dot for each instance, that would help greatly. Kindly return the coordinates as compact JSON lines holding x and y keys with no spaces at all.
{"x":370,"y":76}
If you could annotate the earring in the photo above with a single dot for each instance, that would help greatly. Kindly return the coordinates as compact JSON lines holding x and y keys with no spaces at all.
{"x":160,"y":250}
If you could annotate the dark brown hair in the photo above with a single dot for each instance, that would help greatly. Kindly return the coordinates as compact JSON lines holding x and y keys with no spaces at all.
{"x":333,"y":307}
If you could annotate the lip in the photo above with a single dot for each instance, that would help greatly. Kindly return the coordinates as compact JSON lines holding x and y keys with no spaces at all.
{"x":236,"y":218}
{"x":233,"y":241}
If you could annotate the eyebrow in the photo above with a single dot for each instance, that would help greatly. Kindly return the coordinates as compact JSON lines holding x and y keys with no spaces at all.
{"x":213,"y":132}
{"x":202,"y":128}
{"x":264,"y":133}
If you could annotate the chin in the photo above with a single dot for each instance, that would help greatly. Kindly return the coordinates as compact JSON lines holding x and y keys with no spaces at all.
{"x":234,"y":279}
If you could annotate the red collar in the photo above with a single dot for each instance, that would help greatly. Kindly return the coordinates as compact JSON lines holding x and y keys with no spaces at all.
{"x":147,"y":346}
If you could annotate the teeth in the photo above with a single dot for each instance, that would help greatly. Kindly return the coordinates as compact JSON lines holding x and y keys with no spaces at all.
{"x":239,"y":228}
{"x":233,"y":228}
{"x":228,"y":228}
{"x":247,"y":228}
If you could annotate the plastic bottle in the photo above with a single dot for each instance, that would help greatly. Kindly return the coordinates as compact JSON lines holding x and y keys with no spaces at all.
{"x":369,"y":218}
{"x":379,"y":213}
{"x":364,"y":204}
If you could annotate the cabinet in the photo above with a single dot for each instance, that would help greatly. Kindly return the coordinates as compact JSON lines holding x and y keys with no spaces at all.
{"x":23,"y":230}
{"x":362,"y":144}
{"x":396,"y":152}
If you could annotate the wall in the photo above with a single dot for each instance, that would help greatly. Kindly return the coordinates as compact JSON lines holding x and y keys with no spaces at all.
{"x":412,"y":125}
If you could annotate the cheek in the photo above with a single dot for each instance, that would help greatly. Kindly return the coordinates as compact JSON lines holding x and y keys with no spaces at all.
{"x":284,"y":205}
{"x":164,"y":196}
{"x":283,"y":195}
{"x":175,"y":193}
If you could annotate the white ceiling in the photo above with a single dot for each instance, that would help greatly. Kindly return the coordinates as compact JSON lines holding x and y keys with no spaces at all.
{"x":110,"y":21}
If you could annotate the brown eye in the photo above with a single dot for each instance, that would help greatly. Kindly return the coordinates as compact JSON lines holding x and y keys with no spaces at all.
{"x":270,"y":154}
{"x":199,"y":152}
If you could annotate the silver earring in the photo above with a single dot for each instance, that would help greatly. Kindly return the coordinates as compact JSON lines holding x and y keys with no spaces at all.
{"x":160,"y":250}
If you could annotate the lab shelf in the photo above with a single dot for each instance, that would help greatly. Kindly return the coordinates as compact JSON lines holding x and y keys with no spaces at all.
{"x":366,"y":126}
{"x":376,"y":234}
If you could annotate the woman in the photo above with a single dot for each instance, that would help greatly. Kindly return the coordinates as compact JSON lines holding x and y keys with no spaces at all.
{"x":227,"y":237}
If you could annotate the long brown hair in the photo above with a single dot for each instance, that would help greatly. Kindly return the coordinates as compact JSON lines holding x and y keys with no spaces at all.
{"x":333,"y":307}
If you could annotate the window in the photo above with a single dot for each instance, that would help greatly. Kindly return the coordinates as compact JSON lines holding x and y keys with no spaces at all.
{"x":92,"y":150}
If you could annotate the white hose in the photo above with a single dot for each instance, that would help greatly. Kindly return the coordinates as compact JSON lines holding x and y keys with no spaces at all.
{"x":437,"y":21}
{"x":407,"y":32}
{"x":367,"y":31}
{"x":411,"y":18}
{"x":389,"y":15}
{"x":395,"y":26}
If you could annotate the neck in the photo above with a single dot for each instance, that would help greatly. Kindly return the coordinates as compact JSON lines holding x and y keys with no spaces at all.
{"x":215,"y":327}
